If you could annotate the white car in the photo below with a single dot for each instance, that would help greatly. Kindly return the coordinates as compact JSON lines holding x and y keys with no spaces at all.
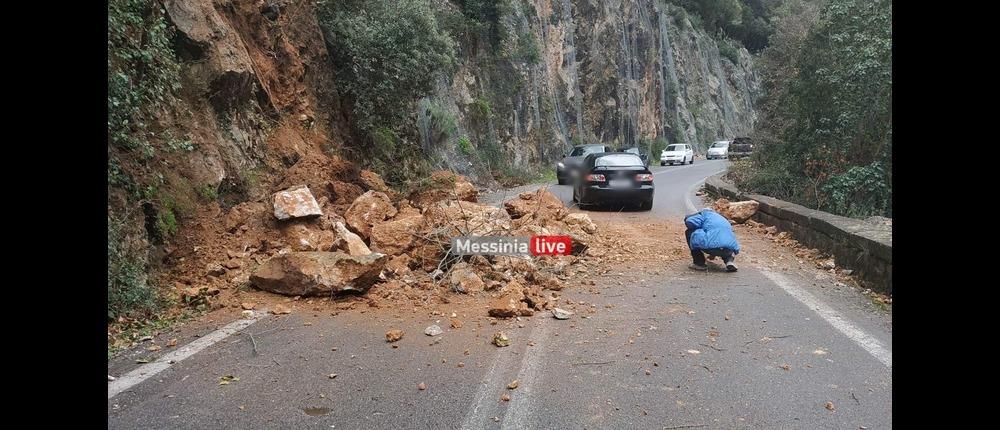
{"x":679,"y":153}
{"x":719,"y":149}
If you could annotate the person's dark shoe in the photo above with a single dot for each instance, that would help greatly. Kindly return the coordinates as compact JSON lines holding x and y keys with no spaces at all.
{"x":701,"y":268}
{"x":730,"y":267}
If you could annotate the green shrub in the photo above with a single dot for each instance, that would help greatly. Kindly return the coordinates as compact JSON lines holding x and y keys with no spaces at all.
{"x":727,"y":50}
{"x":387,"y":53}
{"x":129,"y":292}
{"x":465,"y":146}
{"x":481,"y":110}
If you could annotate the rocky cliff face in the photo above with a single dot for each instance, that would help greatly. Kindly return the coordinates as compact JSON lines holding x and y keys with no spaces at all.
{"x":624,"y":72}
{"x":258,"y":92}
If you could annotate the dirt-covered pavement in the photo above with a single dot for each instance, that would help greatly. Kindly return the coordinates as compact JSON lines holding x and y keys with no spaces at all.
{"x":782,"y":343}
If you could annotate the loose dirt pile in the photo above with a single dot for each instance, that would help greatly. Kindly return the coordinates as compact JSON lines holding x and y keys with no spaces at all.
{"x":332,"y":234}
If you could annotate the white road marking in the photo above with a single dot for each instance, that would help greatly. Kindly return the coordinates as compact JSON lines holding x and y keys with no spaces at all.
{"x":838,"y":321}
{"x":519,"y":411}
{"x":494,"y":384}
{"x":146,"y":371}
{"x":687,"y":194}
{"x":488,"y":393}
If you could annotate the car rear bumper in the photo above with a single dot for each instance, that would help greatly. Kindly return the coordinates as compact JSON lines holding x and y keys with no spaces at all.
{"x":595,"y":194}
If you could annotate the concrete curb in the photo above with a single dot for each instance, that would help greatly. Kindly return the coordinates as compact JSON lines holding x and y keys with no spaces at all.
{"x":857,"y":245}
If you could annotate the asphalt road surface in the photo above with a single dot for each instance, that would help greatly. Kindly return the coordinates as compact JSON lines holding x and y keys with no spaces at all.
{"x":680,"y":349}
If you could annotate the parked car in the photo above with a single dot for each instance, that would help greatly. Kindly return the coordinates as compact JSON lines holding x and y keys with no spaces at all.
{"x":616,"y":177}
{"x":569,"y":165}
{"x":741,"y":147}
{"x":640,"y":153}
{"x":719,"y":149}
{"x":679,"y":153}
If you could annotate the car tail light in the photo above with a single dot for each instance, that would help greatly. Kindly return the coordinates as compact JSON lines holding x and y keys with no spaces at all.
{"x":644,"y":177}
{"x":595,"y":178}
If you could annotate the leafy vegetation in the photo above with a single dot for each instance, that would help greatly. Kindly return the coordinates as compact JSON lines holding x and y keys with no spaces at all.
{"x":143,"y":71}
{"x":747,"y":21}
{"x":388,"y":54}
{"x":825,"y":135}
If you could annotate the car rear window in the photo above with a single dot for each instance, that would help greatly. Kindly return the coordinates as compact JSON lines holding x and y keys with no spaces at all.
{"x":675,"y":148}
{"x":584,"y":150}
{"x":720,"y":144}
{"x":618,"y":160}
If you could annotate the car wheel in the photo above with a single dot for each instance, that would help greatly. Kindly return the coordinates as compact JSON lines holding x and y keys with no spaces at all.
{"x":561,"y":181}
{"x":663,"y":164}
{"x":692,"y":160}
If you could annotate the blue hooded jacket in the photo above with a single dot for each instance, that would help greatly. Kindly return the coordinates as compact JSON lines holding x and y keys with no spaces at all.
{"x":711,"y":230}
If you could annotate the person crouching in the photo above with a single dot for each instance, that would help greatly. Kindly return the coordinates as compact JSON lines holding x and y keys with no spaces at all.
{"x":710,"y":233}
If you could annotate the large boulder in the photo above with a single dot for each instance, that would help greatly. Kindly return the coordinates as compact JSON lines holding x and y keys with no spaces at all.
{"x":352,"y":242}
{"x":541,"y":204}
{"x":343,"y":193}
{"x":737,"y":212}
{"x":444,"y":185}
{"x":396,"y":236}
{"x":318,"y":273}
{"x":373,"y":181}
{"x":462,"y":218}
{"x":302,"y":237}
{"x":295,"y":202}
{"x":369,"y":209}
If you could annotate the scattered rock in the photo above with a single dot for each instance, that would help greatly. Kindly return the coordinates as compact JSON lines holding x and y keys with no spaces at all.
{"x":280,"y":309}
{"x":421,"y":386}
{"x":464,"y":280}
{"x":247,"y":314}
{"x":462,"y":218}
{"x":540,"y":204}
{"x":456,"y":323}
{"x":433,"y":330}
{"x":215,"y":269}
{"x":581,"y":220}
{"x":332,"y":375}
{"x":393,"y":335}
{"x":318,"y":273}
{"x":505,"y":397}
{"x":444,"y":185}
{"x":512,"y":385}
{"x":507,"y":305}
{"x":111,"y":378}
{"x":369,"y":209}
{"x":561,"y":314}
{"x":546,"y":280}
{"x":829,"y":405}
{"x":373,"y":181}
{"x":738,"y":212}
{"x":771,"y":230}
{"x":248,"y":305}
{"x":500,"y":339}
{"x":295,"y":202}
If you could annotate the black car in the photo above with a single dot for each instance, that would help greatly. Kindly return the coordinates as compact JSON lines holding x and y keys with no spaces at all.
{"x":614,"y":177}
{"x":566,"y":168}
{"x":641,"y":154}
